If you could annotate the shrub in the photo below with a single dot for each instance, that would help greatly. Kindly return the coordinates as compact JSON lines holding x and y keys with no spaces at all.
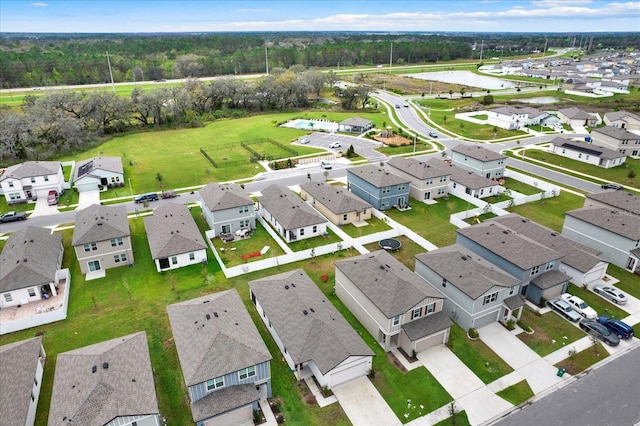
{"x":372,"y":373}
{"x":473,"y":333}
{"x":524,"y":326}
{"x":511,"y":324}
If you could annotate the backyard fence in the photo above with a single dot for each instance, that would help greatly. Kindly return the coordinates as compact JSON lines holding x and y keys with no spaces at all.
{"x":255,"y":155}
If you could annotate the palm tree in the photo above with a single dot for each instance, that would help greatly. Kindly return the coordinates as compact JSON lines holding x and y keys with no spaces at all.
{"x":462,"y":92}
{"x":450,"y":92}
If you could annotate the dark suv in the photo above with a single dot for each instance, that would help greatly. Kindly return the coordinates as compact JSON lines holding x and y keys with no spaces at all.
{"x":151,"y":196}
{"x":611,"y":186}
{"x":617,"y":327}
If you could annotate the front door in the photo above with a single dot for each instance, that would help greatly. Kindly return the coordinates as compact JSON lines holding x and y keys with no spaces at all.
{"x":164,"y":263}
{"x":631,"y":263}
{"x":427,"y":195}
{"x":226,"y":229}
{"x":94,"y":265}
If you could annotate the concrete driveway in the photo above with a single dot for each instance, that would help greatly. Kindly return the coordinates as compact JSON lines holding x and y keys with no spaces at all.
{"x":88,"y":198}
{"x":42,"y":208}
{"x":363,"y":404}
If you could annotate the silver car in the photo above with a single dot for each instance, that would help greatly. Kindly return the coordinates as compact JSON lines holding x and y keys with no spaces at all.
{"x":564,"y":309}
{"x":611,"y":293}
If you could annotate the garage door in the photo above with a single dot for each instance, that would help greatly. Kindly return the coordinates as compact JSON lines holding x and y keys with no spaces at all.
{"x":351,"y":369}
{"x":595,"y":274}
{"x":430,"y":342}
{"x":86,"y":186}
{"x":232,"y":418}
{"x":552,"y":292}
{"x":486,"y":320}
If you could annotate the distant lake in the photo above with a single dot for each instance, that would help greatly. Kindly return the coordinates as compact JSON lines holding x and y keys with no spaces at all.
{"x":466,"y":78}
{"x":539,"y":100}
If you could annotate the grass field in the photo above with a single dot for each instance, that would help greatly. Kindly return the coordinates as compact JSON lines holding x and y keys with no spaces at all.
{"x":551,"y":332}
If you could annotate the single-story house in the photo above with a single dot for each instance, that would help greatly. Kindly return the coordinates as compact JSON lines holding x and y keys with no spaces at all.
{"x":227,"y":208}
{"x":107,"y":383}
{"x":225,"y":363}
{"x":399,"y":308}
{"x":355,"y":125}
{"x":336,"y":203}
{"x":477,"y":292}
{"x":622,"y":119}
{"x":468,"y":182}
{"x":426,"y":181}
{"x":587,"y":152}
{"x":98,"y":172}
{"x":378,"y":186}
{"x":174,"y":238}
{"x":28,"y":181}
{"x":576,"y":117}
{"x":479,"y":160}
{"x":313,"y":337}
{"x":619,"y":200}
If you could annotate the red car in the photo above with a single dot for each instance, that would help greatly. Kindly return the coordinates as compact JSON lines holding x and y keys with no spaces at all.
{"x":52,"y":198}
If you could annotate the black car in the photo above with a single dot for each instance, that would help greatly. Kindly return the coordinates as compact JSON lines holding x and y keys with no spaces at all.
{"x":612,"y":186}
{"x":600,"y":331}
{"x":617,"y":327}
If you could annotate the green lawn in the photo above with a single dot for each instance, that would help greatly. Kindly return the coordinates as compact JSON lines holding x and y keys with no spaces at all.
{"x":516,"y":394}
{"x":550,"y":211}
{"x":460,"y":419}
{"x":4,"y":207}
{"x":476,"y":355}
{"x":310,"y":243}
{"x":259,"y":239}
{"x":629,"y":283}
{"x":406,"y":254}
{"x":583,"y":359}
{"x":373,"y":225}
{"x":523,"y":188}
{"x":422,"y":147}
{"x":551,"y":332}
{"x":601,"y":305}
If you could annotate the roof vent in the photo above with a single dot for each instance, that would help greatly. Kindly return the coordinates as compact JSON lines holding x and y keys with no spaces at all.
{"x":94,"y":369}
{"x":208,"y":316}
{"x":505,"y":232}
{"x":293,"y":285}
{"x":464,"y":258}
{"x":382,"y":267}
{"x":311,"y":309}
{"x":105,"y":365}
{"x":305,"y":312}
{"x":215,"y":314}
{"x":286,"y":287}
{"x":206,"y":301}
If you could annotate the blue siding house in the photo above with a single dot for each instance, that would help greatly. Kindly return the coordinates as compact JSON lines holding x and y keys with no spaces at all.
{"x":225,"y":363}
{"x":379,"y":187}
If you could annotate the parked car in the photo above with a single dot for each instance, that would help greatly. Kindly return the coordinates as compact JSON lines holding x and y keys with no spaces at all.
{"x":169,"y":194}
{"x":433,"y":134}
{"x":325,"y":165}
{"x":580,"y":306}
{"x":12,"y":217}
{"x":564,"y":309}
{"x":600,"y":331}
{"x":611,"y":186}
{"x":335,"y":145}
{"x":611,"y":293}
{"x":304,"y":141}
{"x":150,"y":196}
{"x":617,"y":327}
{"x":52,"y":197}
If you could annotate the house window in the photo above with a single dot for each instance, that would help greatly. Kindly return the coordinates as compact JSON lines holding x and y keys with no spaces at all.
{"x":243,"y":209}
{"x":430,"y":181}
{"x":386,"y":190}
{"x":580,"y":155}
{"x":402,"y":187}
{"x":46,"y":178}
{"x":35,"y":381}
{"x":416,"y":313}
{"x":14,"y":195}
{"x":8,"y":298}
{"x":315,"y":229}
{"x":301,"y":232}
{"x":192,"y":256}
{"x":117,"y":242}
{"x":443,"y":178}
{"x":384,"y":203}
{"x":10,"y":184}
{"x":364,"y":211}
{"x":548,"y":266}
{"x":32,"y":292}
{"x":489,"y":298}
{"x":454,"y":184}
{"x":33,"y":398}
{"x":430,"y":308}
{"x":120,"y":258}
{"x":245,"y":373}
{"x":586,"y":157}
{"x":535,"y":270}
{"x":444,"y":282}
{"x":441,"y":191}
{"x":512,"y":290}
{"x":345,"y":217}
{"x":94,"y":265}
{"x":33,"y":180}
{"x":216,"y":383}
{"x":174,"y":260}
{"x":89,"y":247}
{"x":396,"y":320}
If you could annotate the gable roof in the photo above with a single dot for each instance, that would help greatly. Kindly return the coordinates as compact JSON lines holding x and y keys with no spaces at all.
{"x":587,"y":148}
{"x":100,"y":223}
{"x":621,"y":115}
{"x":615,"y":221}
{"x":218,"y":197}
{"x":335,"y":198}
{"x":376,"y":176}
{"x":478,"y":152}
{"x":615,"y":132}
{"x":386,"y":282}
{"x":622,"y":200}
{"x":308,"y":324}
{"x":18,"y":364}
{"x":511,"y":246}
{"x":215,"y":336}
{"x":31,"y":169}
{"x":510,"y":110}
{"x":418,"y":169}
{"x":465,"y":270}
{"x":172,"y":231}
{"x":575,"y":113}
{"x":289,"y":209}
{"x":122,"y":384}
{"x":109,"y":164}
{"x":357,"y":122}
{"x":29,"y":258}
{"x":223,"y":400}
{"x":465,"y":177}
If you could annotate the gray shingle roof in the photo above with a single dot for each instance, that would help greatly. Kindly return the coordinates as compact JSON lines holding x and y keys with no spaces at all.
{"x":510,"y":110}
{"x":587,"y":148}
{"x":419,"y":169}
{"x":513,"y":247}
{"x":222,"y":400}
{"x":124,"y":388}
{"x":620,"y":115}
{"x":550,"y":279}
{"x":376,"y":176}
{"x":225,"y":342}
{"x":172,"y":231}
{"x":514,"y":301}
{"x":356,"y":121}
{"x":478,"y":152}
{"x":31,"y":169}
{"x":337,"y":199}
{"x":86,"y":167}
{"x":29,"y":258}
{"x":623,"y":224}
{"x":218,"y":197}
{"x":386,"y":282}
{"x":426,"y":326}
{"x":465,"y":177}
{"x":575,"y":113}
{"x":18,"y":364}
{"x":614,"y":132}
{"x":100,"y":223}
{"x":619,"y":200}
{"x":465,"y":270}
{"x":321,"y":335}
{"x":289,"y":209}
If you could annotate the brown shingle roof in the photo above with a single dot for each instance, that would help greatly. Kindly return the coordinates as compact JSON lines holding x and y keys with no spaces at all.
{"x":618,"y":200}
{"x":612,"y":220}
{"x":419,"y":169}
{"x":31,"y":169}
{"x":478,"y":152}
{"x":337,"y":199}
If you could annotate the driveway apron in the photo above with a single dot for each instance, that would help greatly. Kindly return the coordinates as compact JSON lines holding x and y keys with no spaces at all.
{"x":88,"y":198}
{"x":364,"y":405}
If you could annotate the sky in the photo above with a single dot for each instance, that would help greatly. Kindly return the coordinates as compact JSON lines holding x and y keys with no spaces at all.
{"x":130,"y":16}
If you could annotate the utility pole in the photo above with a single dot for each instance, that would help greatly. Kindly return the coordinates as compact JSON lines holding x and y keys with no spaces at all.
{"x":390,"y":56}
{"x":544,"y":52}
{"x":266,"y":58}
{"x":481,"y":50}
{"x":111,"y":74}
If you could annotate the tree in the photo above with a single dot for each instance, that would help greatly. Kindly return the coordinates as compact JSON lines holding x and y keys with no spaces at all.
{"x":631,"y":174}
{"x":350,"y":151}
{"x":444,"y":118}
{"x":450,"y":93}
{"x":462,"y":92}
{"x":487,"y":99}
{"x":159,"y":178}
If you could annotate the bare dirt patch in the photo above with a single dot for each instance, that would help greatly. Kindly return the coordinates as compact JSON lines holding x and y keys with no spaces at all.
{"x":409,"y":85}
{"x":394,"y":140}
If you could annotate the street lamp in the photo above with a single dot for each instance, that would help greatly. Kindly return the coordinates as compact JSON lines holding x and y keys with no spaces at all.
{"x":130,"y":189}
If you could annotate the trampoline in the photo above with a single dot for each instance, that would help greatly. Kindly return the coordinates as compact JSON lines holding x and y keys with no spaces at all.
{"x":390,"y":244}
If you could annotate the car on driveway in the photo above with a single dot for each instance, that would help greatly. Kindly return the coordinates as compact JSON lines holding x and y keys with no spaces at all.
{"x":564,"y":309}
{"x":580,"y":306}
{"x":594,"y":328}
{"x":611,"y":186}
{"x":52,"y":197}
{"x":611,"y":293}
{"x":617,"y":327}
{"x":335,"y":145}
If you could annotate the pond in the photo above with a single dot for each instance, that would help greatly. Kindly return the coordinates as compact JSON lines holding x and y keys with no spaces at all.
{"x":466,"y":78}
{"x":540,"y":100}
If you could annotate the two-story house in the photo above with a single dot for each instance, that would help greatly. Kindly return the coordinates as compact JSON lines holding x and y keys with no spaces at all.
{"x":508,"y":118}
{"x":587,"y":153}
{"x":225,"y":363}
{"x":477,"y":292}
{"x":227,"y":208}
{"x":479,"y":160}
{"x":174,"y":238}
{"x":619,"y":139}
{"x":378,"y":186}
{"x":622,"y":119}
{"x":336,"y":203}
{"x":21,"y":369}
{"x":107,"y":383}
{"x":576,"y":117}
{"x":620,"y":200}
{"x":289,"y":215}
{"x":30,"y":180}
{"x":468,"y":182}
{"x":98,"y":172}
{"x":397,"y":306}
{"x":313,"y":337}
{"x":102,"y":239}
{"x":426,"y":181}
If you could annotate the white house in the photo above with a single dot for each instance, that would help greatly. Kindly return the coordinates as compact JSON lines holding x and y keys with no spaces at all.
{"x":30,"y":180}
{"x":98,"y":172}
{"x":587,"y":153}
{"x":479,"y":160}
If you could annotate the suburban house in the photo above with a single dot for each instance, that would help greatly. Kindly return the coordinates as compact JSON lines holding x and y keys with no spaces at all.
{"x":614,"y":232}
{"x":314,"y":339}
{"x":620,"y":200}
{"x":355,"y":125}
{"x":617,"y":138}
{"x":399,"y":308}
{"x":225,"y":363}
{"x":426,"y":181}
{"x":174,"y":238}
{"x":30,"y":180}
{"x":97,"y":173}
{"x":30,"y":267}
{"x":581,"y":262}
{"x":289,"y":215}
{"x":336,"y":203}
{"x":577,"y":117}
{"x":512,"y":118}
{"x":21,"y":369}
{"x":587,"y":152}
{"x":622,"y":120}
{"x":479,"y":160}
{"x":379,"y":187}
{"x":477,"y":292}
{"x":227,"y":208}
{"x":468,"y":182}
{"x":536,"y":266}
{"x":102,"y":239}
{"x":108,"y":383}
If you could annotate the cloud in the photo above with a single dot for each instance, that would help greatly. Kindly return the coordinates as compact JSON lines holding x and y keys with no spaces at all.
{"x":554,"y":3}
{"x":38,"y":4}
{"x":252,"y":10}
